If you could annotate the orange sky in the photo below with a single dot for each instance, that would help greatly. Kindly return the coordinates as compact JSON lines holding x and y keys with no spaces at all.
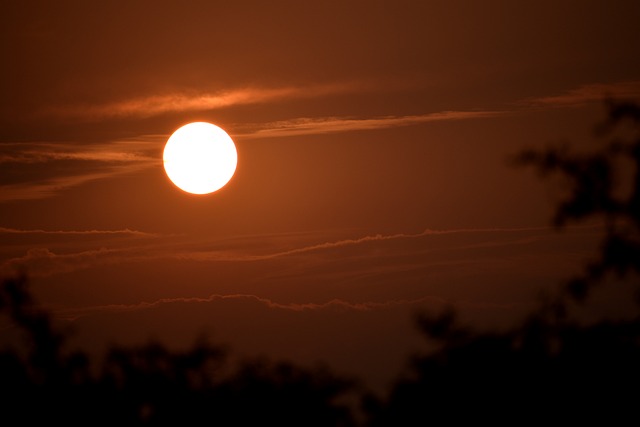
{"x":373,"y":173}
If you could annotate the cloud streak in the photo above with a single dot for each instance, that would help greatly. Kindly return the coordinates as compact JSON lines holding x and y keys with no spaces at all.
{"x":52,"y":186}
{"x":322,"y":125}
{"x":585,"y":94}
{"x":142,"y":149}
{"x":186,"y":101}
{"x":183,"y":102}
{"x":114,"y":158}
{"x":227,"y":256}
{"x":126,"y":231}
{"x":44,"y":262}
{"x":334,"y":304}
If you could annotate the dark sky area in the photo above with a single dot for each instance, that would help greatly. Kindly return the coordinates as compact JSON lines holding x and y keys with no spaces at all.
{"x":374,"y":177}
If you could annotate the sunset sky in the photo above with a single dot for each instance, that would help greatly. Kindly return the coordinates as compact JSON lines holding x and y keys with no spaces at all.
{"x":374,"y":177}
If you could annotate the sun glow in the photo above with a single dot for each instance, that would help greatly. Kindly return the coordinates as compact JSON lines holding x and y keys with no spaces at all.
{"x":200,"y":158}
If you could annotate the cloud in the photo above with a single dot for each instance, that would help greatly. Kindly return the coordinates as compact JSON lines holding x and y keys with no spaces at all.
{"x":323,"y":125}
{"x":126,"y":231}
{"x":309,"y":126}
{"x":180,"y":102}
{"x":51,"y":186}
{"x":595,"y":92}
{"x":230,"y":256}
{"x":44,"y":262}
{"x":334,"y":304}
{"x":114,"y":158}
{"x":142,"y":149}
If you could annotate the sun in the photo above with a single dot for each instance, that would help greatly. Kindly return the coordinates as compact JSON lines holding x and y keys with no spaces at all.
{"x":200,"y":158}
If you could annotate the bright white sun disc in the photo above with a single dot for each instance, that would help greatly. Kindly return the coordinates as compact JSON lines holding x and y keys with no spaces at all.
{"x":200,"y":158}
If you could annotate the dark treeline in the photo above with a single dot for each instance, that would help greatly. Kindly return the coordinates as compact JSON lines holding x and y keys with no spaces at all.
{"x":152,"y":384}
{"x":550,"y":368}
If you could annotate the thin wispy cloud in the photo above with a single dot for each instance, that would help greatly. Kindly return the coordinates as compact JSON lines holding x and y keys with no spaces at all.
{"x":334,"y":304}
{"x":126,"y":231}
{"x":154,"y":105}
{"x":587,"y":94}
{"x":45,"y":262}
{"x":142,"y":149}
{"x":42,"y":262}
{"x":50,"y":187}
{"x":322,"y":125}
{"x":113,"y":158}
{"x":228,"y":256}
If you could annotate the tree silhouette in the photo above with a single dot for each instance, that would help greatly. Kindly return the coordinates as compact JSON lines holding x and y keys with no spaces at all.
{"x":551,"y":367}
{"x":599,"y":189}
{"x":152,"y":385}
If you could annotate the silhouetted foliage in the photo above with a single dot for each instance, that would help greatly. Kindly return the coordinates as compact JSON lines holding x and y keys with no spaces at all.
{"x":549,"y":368}
{"x":598,"y":189}
{"x":152,"y":385}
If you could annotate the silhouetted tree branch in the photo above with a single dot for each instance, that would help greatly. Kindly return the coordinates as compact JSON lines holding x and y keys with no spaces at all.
{"x":599,"y":189}
{"x":549,"y":368}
